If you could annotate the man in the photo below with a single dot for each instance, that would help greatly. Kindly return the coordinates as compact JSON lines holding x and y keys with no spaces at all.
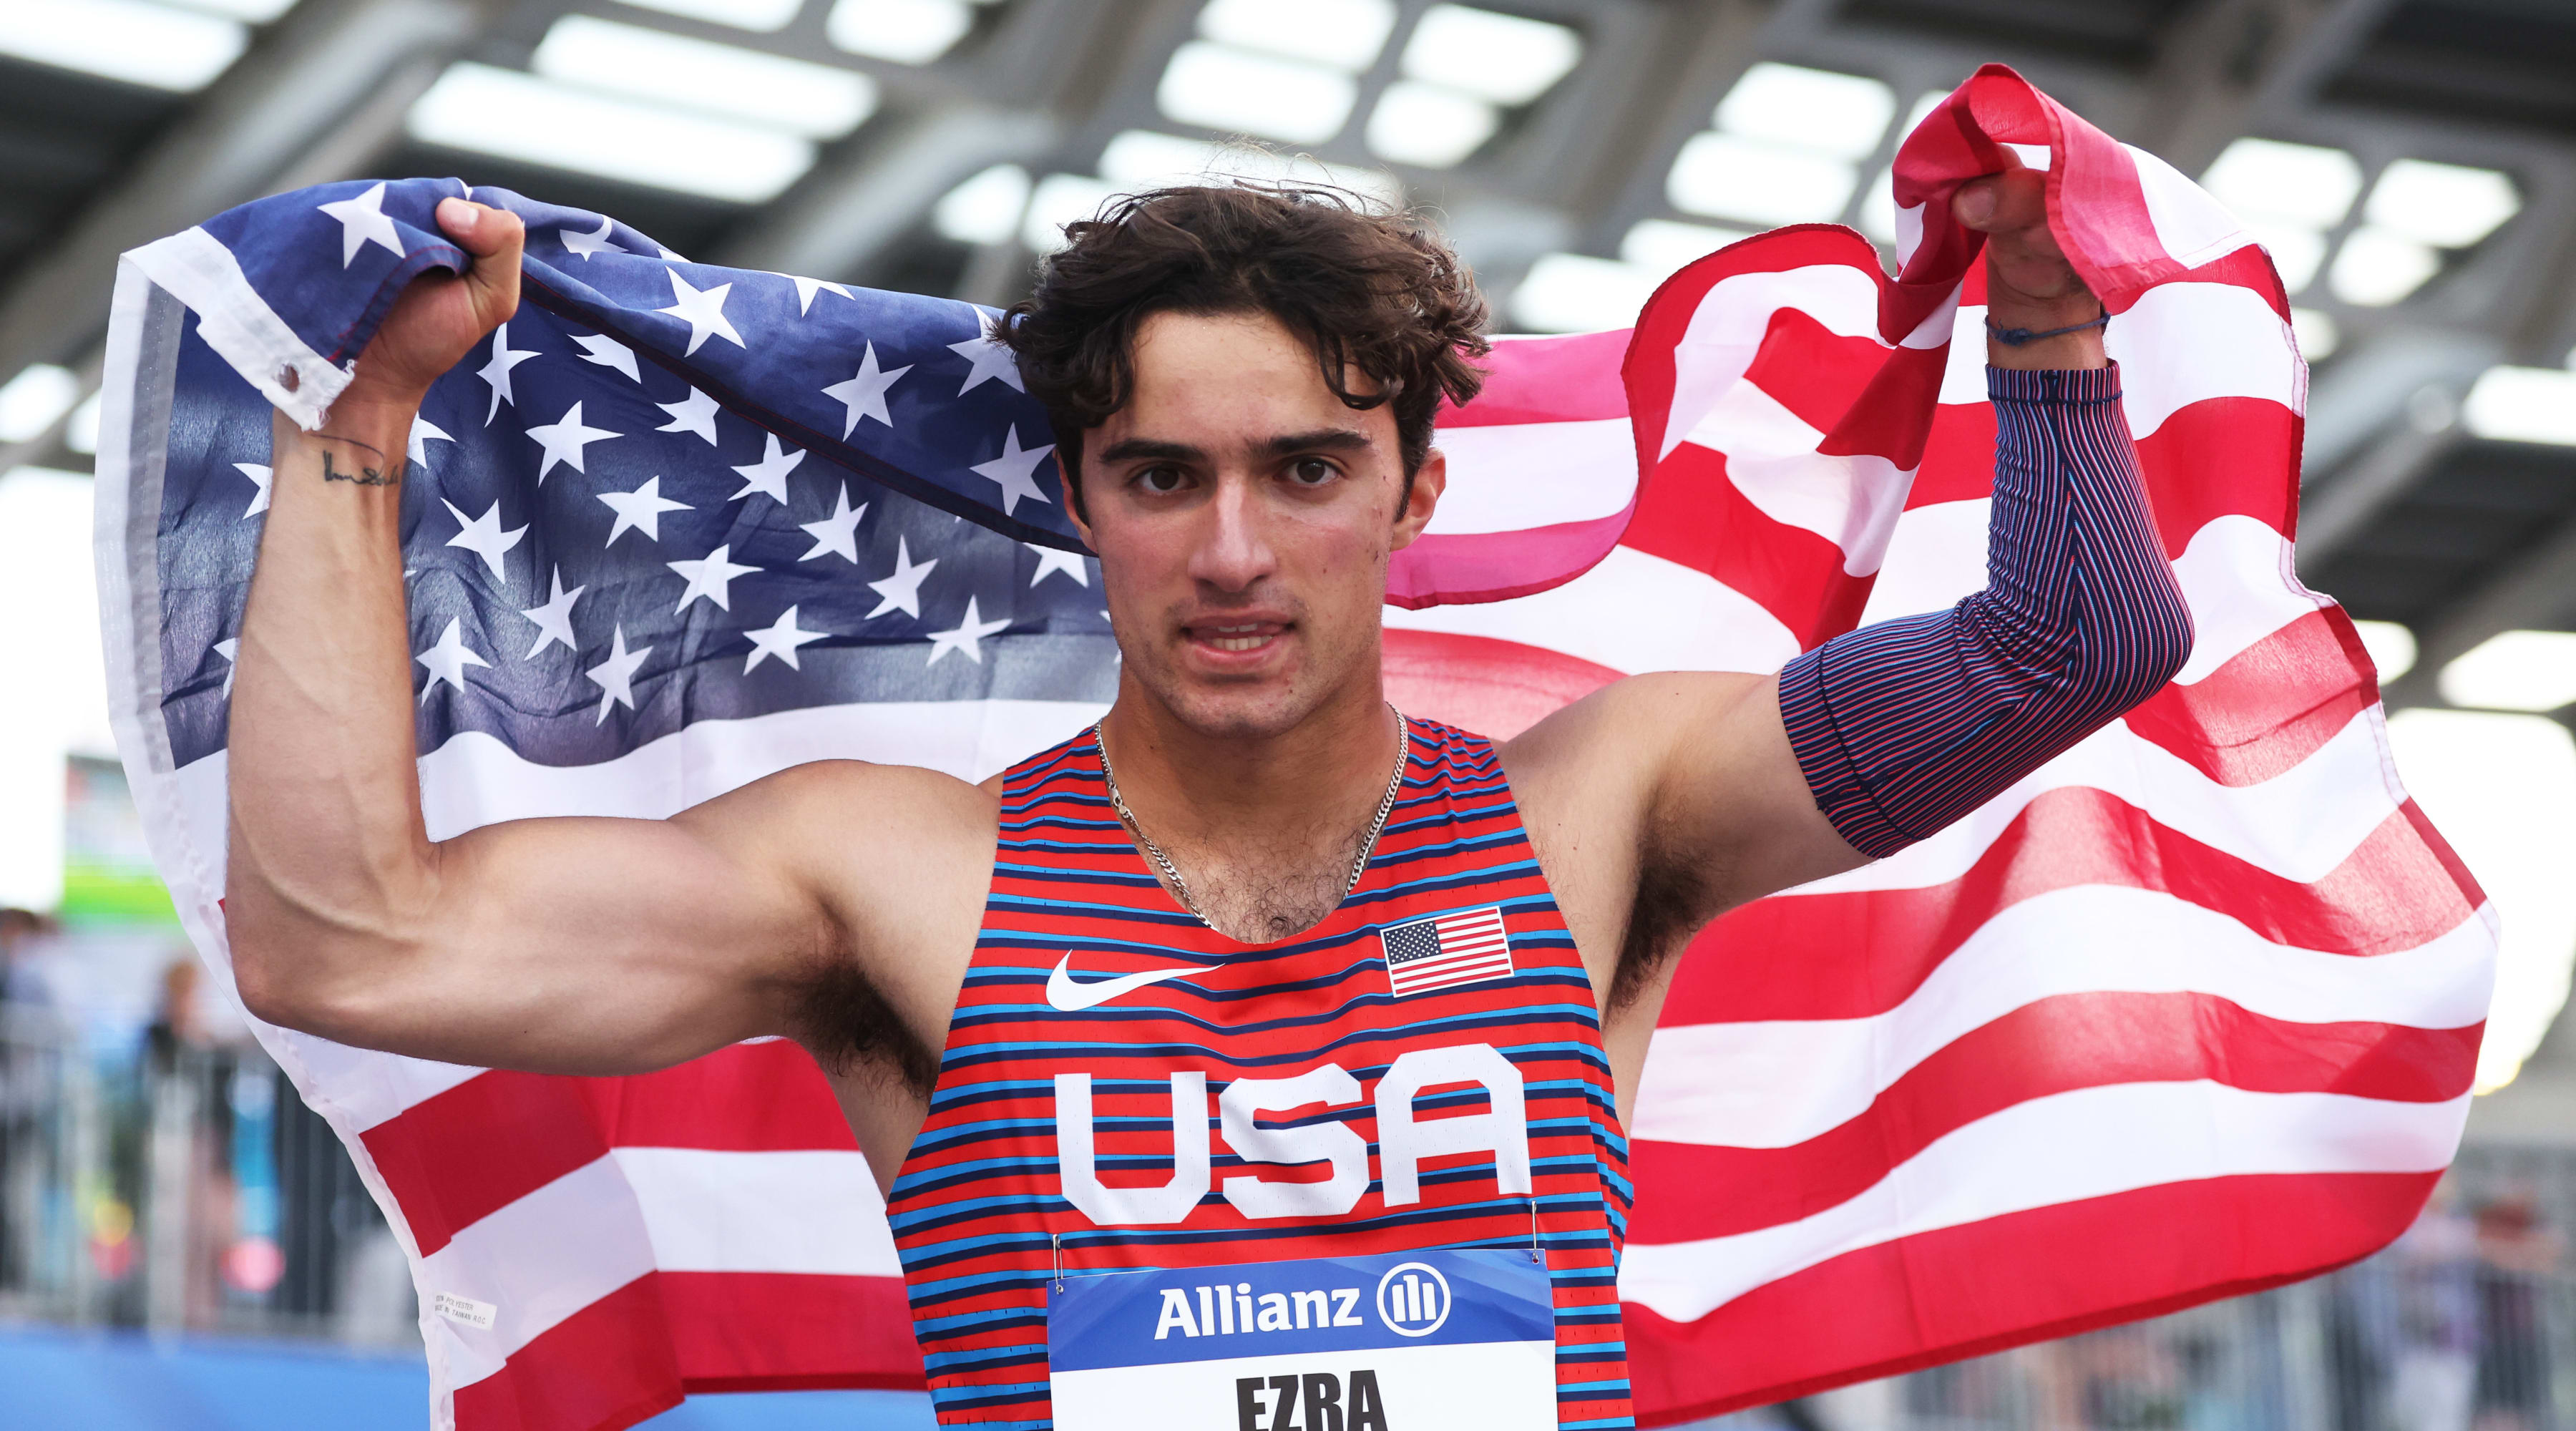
{"x":1411,"y":976}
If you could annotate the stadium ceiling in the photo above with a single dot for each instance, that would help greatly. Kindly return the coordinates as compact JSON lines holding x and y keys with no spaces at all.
{"x":2410,"y":163}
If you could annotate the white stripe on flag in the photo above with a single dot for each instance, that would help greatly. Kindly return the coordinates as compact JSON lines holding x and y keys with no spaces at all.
{"x":2063,"y":1148}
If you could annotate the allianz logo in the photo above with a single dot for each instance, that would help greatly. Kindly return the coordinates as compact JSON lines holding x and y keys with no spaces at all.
{"x":1412,"y":1300}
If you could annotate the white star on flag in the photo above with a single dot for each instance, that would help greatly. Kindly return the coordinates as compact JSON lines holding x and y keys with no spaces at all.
{"x":608,"y":353}
{"x":260,"y":474}
{"x":640,"y":511}
{"x":615,"y":676}
{"x":694,"y":413}
{"x":768,"y":476}
{"x":1051,"y":561}
{"x":780,"y":640}
{"x":710,"y":576}
{"x":967,"y":638}
{"x":483,"y":535}
{"x":837,"y":534}
{"x":701,"y":309}
{"x":424,"y":432}
{"x":363,"y":221}
{"x":988,"y":357}
{"x":228,"y":649}
{"x":554,"y":619}
{"x":564,"y":440}
{"x":903,"y":589}
{"x":864,"y":395}
{"x":447,"y":661}
{"x":1012,"y":469}
{"x":594,"y":242}
{"x":806,"y":288}
{"x":497,"y":371}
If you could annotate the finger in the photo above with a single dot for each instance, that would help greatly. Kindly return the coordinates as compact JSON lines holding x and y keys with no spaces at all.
{"x":2000,"y":203}
{"x":495,"y":238}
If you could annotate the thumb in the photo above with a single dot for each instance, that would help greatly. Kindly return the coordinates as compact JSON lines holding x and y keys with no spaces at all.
{"x":495,"y":238}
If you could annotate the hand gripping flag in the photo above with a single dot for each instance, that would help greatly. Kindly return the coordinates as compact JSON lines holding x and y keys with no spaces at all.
{"x":2189,"y":1012}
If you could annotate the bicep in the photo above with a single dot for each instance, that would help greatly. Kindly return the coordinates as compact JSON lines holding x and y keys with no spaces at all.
{"x":593,"y":945}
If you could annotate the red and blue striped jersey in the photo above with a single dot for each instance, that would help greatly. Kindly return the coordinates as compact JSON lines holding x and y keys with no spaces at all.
{"x":1124,"y":1087}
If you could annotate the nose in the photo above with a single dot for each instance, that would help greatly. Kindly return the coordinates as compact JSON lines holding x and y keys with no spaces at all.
{"x":1233,"y":550}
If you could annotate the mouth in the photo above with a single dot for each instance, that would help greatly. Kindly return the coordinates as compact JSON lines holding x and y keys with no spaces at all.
{"x":1235,"y":638}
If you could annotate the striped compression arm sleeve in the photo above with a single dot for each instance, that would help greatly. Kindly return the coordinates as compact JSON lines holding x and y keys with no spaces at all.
{"x":1904,"y":726}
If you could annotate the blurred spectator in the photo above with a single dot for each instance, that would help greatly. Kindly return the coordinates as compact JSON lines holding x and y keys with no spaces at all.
{"x":2434,"y":1269}
{"x":193,"y":1129}
{"x":2515,"y":1252}
{"x":21,"y":932}
{"x":23,"y":1083}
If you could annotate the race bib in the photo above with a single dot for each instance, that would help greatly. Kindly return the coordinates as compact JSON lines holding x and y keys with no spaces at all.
{"x":1409,"y":1341}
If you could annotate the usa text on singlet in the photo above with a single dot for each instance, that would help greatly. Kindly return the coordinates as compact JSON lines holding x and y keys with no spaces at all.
{"x":1367,"y":1179}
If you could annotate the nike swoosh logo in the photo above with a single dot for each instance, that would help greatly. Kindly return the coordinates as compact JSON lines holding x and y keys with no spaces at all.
{"x":1066,"y":996}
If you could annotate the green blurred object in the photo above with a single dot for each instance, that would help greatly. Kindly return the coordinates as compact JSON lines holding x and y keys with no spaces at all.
{"x":108,"y":877}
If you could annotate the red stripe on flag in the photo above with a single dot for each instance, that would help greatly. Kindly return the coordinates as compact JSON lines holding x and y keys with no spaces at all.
{"x":606,"y":1366}
{"x":1864,"y":952}
{"x":780,"y":1331}
{"x":1693,"y":514}
{"x":468,"y":1152}
{"x":2269,"y":707}
{"x":2011,"y":1280}
{"x":1574,"y":378}
{"x":2053,"y":1045}
{"x":750,"y":1097}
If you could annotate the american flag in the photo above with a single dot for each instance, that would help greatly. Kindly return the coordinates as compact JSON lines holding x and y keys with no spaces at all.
{"x":2191,"y":1011}
{"x":1431,"y":954}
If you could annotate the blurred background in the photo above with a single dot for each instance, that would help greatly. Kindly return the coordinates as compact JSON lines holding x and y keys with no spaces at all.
{"x":182,"y":1244}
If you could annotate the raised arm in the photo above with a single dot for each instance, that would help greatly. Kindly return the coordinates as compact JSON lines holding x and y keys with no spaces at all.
{"x":1738,"y":787}
{"x":554,"y":945}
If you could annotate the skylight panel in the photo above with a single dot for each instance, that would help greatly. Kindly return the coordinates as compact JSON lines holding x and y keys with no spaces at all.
{"x":1429,"y":125}
{"x":1505,"y":59}
{"x":520,"y":116}
{"x":2511,"y":404}
{"x":2378,"y":267}
{"x":984,"y":209}
{"x":2302,"y":183}
{"x":1139,"y":159}
{"x":29,"y":402}
{"x":911,"y":32}
{"x":819,"y":101}
{"x":2514,"y":671}
{"x":1730,"y":176}
{"x":2446,"y":205}
{"x":1241,"y":91}
{"x":1791,"y":105}
{"x":1662,"y":247}
{"x":150,"y":45}
{"x":1344,"y":34}
{"x":1577,"y":293}
{"x":2296,"y":251}
{"x":1061,"y":199}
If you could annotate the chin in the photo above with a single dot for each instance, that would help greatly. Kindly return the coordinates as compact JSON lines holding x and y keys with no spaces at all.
{"x":1240,"y":712}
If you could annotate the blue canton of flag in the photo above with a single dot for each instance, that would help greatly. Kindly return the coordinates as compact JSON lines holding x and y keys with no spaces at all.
{"x":605,"y":539}
{"x":1463,"y":948}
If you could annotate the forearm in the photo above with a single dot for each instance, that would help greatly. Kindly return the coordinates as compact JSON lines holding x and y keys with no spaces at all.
{"x":1904,"y":726}
{"x":328,"y":862}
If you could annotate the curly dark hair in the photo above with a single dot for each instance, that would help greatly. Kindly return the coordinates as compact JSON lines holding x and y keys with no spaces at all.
{"x":1365,"y":288}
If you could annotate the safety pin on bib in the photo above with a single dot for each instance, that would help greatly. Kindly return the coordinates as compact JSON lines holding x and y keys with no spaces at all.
{"x":1538,"y":1253}
{"x":1058,"y":1239}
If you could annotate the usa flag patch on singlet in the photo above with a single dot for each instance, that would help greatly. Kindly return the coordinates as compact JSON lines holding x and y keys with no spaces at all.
{"x":1429,"y":954}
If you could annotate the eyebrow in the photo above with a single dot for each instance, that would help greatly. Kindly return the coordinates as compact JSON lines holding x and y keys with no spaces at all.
{"x":1322,"y":439}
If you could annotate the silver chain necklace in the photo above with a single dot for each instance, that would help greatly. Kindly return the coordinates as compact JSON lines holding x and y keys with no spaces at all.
{"x":1171,"y":872}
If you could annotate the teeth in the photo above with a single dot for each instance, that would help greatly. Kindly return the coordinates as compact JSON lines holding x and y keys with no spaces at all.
{"x":1239,"y":643}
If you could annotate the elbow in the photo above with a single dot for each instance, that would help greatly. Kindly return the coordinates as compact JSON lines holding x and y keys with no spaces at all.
{"x":2151,"y":648}
{"x":293,"y":971}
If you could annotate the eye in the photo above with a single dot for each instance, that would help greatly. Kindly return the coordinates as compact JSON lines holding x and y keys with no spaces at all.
{"x":1162,"y":481}
{"x":1312,"y":472}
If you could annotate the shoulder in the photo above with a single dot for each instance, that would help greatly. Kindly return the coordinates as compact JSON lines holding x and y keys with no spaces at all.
{"x":1610,"y":745}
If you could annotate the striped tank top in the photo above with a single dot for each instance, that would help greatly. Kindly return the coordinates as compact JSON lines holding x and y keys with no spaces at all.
{"x":1091,"y":986}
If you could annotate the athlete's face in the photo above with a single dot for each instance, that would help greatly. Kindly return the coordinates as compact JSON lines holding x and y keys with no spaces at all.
{"x":1243,"y":517}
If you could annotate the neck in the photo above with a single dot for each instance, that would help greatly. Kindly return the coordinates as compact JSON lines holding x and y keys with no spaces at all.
{"x":1204,"y":788}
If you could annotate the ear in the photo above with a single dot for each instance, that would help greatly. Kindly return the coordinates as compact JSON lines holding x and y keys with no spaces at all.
{"x":1073,"y":511}
{"x":1428,"y":484}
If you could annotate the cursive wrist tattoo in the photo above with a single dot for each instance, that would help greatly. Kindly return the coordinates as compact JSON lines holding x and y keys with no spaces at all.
{"x":361,"y":471}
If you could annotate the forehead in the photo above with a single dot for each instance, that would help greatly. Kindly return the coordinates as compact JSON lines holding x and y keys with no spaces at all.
{"x":1201,"y":377}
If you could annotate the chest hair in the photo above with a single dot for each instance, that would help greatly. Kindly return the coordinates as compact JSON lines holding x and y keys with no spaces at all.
{"x":1263,"y":891}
